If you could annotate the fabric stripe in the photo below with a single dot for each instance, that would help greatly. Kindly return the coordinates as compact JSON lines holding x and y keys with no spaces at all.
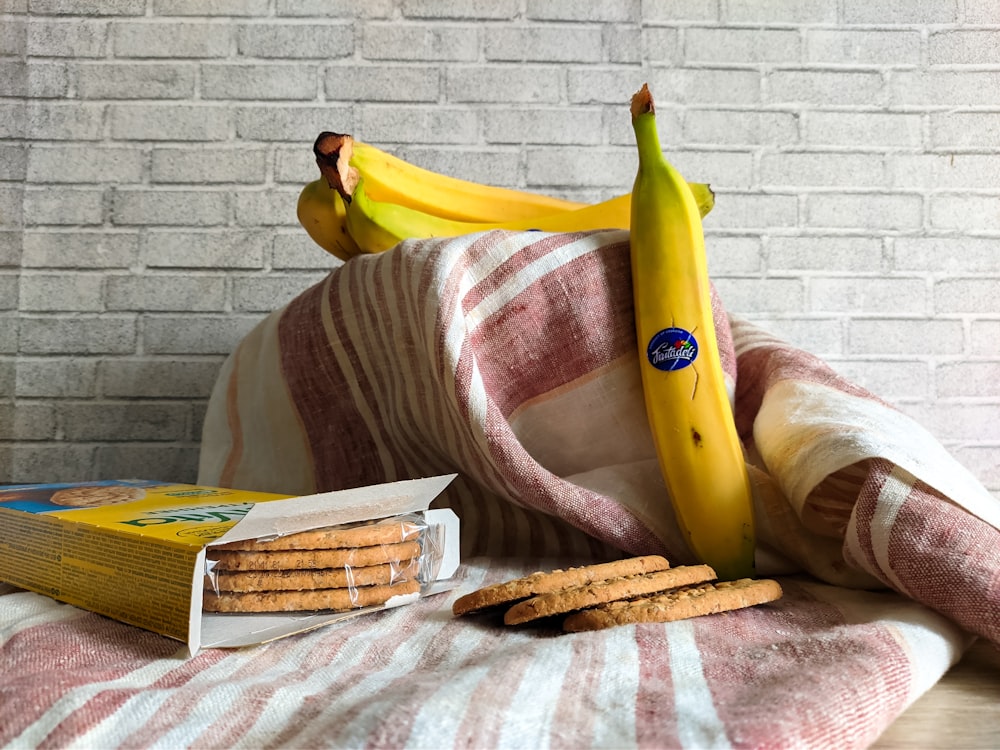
{"x":654,"y":718}
{"x":456,"y":366}
{"x":698,"y":724}
{"x":47,"y":723}
{"x":297,"y":698}
{"x":528,"y":717}
{"x":352,"y":361}
{"x":314,"y":380}
{"x":489,"y":704}
{"x":926,"y":656}
{"x":339,"y":711}
{"x":615,"y":691}
{"x":404,"y":395}
{"x":172,"y":695}
{"x":25,"y":611}
{"x":447,"y":653}
{"x":444,"y":725}
{"x":895,"y":489}
{"x":434,"y":430}
{"x":228,"y":694}
{"x":96,"y":720}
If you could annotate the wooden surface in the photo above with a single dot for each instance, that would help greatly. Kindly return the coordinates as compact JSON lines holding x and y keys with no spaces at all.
{"x":962,"y":711}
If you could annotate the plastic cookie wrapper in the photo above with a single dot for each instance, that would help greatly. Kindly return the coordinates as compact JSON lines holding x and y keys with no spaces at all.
{"x":368,"y":564}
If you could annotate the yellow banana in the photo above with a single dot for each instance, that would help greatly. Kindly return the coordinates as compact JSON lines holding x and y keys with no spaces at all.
{"x":391,"y":179}
{"x":343,"y":161}
{"x":687,"y":403}
{"x":321,"y":212}
{"x":377,"y":225}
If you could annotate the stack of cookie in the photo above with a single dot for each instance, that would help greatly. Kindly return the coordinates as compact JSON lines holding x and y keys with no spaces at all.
{"x":332,"y":568}
{"x":638,"y":589}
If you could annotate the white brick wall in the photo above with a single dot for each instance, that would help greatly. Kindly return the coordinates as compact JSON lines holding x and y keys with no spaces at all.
{"x":152,"y":152}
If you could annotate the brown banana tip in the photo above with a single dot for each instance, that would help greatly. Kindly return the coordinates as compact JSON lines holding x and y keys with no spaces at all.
{"x":333,"y":153}
{"x":642,"y":102}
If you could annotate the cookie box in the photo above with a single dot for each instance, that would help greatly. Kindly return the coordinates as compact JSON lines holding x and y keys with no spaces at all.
{"x":152,"y":554}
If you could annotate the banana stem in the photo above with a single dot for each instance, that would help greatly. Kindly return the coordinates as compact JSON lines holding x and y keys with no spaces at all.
{"x":333,"y":153}
{"x":647,"y":137}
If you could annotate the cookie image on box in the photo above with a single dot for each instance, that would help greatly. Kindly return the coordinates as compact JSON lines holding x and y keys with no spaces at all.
{"x":94,"y":496}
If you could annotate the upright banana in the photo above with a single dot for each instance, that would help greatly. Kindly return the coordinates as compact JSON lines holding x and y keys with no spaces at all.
{"x":687,"y":403}
{"x":391,"y":179}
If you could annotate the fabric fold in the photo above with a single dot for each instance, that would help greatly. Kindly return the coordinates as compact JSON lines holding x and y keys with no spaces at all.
{"x":509,"y":359}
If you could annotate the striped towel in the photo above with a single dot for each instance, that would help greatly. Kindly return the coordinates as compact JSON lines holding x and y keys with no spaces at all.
{"x":824,"y":667}
{"x":510,"y":359}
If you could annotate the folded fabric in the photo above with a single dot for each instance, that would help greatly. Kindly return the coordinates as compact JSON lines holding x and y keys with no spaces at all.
{"x":510,"y":359}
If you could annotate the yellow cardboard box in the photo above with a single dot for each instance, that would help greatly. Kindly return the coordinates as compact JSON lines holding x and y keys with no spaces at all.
{"x":135,"y":550}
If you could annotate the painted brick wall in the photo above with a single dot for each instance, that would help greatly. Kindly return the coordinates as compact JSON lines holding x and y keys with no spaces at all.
{"x":152,"y":152}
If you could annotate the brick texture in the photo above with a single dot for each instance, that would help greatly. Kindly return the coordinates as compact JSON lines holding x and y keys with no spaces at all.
{"x":152,"y":152}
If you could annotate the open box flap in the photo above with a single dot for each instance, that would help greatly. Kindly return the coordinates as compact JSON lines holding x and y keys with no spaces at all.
{"x":280,"y":517}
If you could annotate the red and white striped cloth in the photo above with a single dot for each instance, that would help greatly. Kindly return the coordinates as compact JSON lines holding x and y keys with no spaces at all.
{"x":823,"y":667}
{"x":510,"y":359}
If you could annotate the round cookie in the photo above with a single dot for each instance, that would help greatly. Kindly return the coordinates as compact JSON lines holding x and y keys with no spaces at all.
{"x":298,"y":580}
{"x":94,"y":496}
{"x":598,"y":592}
{"x":679,"y":604}
{"x":310,"y":559}
{"x":337,"y":599}
{"x":510,"y":592}
{"x":334,"y":537}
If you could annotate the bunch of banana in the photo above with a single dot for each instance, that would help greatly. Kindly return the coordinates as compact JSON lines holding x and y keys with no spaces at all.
{"x":343,"y":160}
{"x":368,"y":200}
{"x":700,"y":454}
{"x":322,"y":213}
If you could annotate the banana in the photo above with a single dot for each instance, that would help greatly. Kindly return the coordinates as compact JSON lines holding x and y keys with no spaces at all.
{"x":700,"y":454}
{"x":391,"y":179}
{"x":377,"y":225}
{"x":321,"y":212}
{"x":438,"y":205}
